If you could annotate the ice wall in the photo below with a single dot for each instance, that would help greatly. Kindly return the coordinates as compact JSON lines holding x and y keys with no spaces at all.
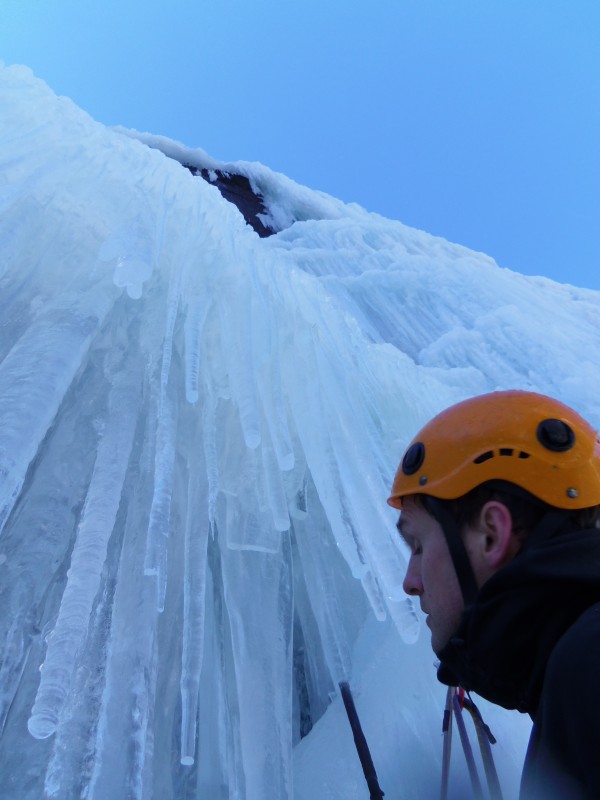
{"x":198,"y":429}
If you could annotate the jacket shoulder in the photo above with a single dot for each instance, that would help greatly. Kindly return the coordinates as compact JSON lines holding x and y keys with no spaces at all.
{"x":562,"y":759}
{"x":576,"y":656}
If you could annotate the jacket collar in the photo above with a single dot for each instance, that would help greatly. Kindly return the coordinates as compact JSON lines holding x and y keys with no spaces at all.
{"x":505,"y":637}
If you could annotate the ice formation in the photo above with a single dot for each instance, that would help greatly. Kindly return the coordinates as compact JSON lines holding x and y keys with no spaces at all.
{"x":198,"y":429}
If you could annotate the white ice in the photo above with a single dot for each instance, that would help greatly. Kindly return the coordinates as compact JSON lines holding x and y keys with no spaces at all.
{"x":198,"y":430}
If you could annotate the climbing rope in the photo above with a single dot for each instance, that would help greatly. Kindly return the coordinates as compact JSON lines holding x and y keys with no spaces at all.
{"x":455,"y":703}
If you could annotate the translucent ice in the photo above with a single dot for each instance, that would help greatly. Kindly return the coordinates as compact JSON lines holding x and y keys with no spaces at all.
{"x":198,"y":430}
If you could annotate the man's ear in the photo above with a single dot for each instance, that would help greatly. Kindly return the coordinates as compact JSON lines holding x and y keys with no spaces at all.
{"x":497,"y":543}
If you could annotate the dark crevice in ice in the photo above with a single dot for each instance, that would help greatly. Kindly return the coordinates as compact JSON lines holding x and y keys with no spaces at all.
{"x":238,"y":190}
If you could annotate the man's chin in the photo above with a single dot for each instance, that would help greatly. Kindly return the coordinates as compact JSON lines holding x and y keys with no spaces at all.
{"x":436,"y":645}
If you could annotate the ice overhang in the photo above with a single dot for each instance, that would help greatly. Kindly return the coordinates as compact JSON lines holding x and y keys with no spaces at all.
{"x":238,"y":190}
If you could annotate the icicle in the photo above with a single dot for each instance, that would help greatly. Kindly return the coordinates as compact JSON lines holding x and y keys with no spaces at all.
{"x":248,"y":528}
{"x":128,"y":701}
{"x":194,"y":591}
{"x":267,"y":367}
{"x":133,"y":724}
{"x":296,"y":487}
{"x":209,"y":437}
{"x":34,"y":378}
{"x":161,"y":576}
{"x":240,"y":361}
{"x":172,"y":309}
{"x":214,"y":723}
{"x":145,"y":699}
{"x":351,"y":489}
{"x":258,"y":599}
{"x":14,"y":657}
{"x":275,"y":494}
{"x":155,"y":562}
{"x":275,"y":415}
{"x":361,"y":494}
{"x":87,"y":561}
{"x":315,"y":437}
{"x":319,"y":575}
{"x":70,"y":767}
{"x":194,"y":323}
{"x":373,"y":592}
{"x":131,"y":247}
{"x":168,"y":192}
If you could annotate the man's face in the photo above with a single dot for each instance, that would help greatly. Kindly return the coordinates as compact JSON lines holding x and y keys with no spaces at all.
{"x":430,"y":574}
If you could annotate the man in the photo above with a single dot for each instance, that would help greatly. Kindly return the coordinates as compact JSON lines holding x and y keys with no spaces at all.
{"x":500,"y":506}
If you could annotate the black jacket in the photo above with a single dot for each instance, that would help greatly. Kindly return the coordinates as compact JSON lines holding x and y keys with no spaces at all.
{"x":531,"y":641}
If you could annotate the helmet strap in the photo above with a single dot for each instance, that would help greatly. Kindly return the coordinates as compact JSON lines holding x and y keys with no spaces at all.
{"x":458,"y":551}
{"x":550,"y":524}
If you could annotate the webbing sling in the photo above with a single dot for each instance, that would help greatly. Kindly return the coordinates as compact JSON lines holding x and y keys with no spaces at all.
{"x":455,"y":703}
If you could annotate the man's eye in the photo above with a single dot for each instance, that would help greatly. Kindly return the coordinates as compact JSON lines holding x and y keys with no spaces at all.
{"x":416,"y":549}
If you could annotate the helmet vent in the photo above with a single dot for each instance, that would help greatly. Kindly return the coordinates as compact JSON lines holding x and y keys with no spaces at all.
{"x":413,"y":458}
{"x":555,"y":435}
{"x":503,"y":451}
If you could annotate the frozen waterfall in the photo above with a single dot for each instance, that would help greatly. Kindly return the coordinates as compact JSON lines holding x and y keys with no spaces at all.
{"x":198,"y":429}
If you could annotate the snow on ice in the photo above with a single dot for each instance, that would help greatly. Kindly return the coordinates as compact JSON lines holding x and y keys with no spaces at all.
{"x":198,"y":430}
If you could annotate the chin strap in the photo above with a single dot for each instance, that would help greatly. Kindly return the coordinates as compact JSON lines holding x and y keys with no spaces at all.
{"x":550,"y":524}
{"x":458,"y":552}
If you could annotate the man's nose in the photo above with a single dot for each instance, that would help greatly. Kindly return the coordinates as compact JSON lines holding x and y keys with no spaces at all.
{"x":412,"y":583}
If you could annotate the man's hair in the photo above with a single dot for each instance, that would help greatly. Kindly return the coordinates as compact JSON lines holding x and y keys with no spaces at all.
{"x":525,"y":509}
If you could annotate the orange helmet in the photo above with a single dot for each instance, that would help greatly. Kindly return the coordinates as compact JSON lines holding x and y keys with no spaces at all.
{"x":524,"y":438}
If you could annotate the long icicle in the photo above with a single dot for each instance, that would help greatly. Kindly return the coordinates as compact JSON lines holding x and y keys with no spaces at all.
{"x":155,"y":562}
{"x":34,"y":377}
{"x":87,"y":560}
{"x":194,"y":608}
{"x":194,"y":323}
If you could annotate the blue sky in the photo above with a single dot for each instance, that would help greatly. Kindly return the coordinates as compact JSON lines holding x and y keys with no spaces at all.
{"x":477,"y":120}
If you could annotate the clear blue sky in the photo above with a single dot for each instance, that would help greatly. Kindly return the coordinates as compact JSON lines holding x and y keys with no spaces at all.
{"x":477,"y":120}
